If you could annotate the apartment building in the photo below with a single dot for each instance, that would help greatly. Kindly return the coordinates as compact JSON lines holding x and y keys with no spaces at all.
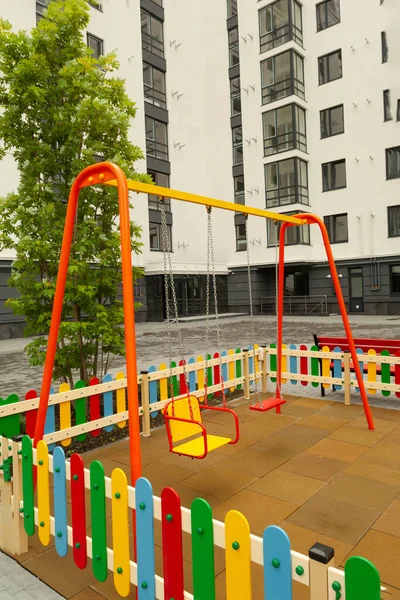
{"x":286,"y":105}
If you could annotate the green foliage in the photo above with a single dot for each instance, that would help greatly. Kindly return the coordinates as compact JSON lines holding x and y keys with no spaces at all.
{"x":61,"y":108}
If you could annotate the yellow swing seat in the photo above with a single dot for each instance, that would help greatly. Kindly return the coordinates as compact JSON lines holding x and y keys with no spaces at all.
{"x":181,"y":426}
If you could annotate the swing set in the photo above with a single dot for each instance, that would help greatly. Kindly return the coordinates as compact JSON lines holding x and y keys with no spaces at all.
{"x":182,"y":415}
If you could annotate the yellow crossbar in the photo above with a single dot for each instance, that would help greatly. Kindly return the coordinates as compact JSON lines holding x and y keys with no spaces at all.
{"x":156,"y":190}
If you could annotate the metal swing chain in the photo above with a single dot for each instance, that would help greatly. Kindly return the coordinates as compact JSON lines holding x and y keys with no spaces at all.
{"x":253,"y":333}
{"x":207,"y":308}
{"x":278,"y":382}
{"x":169,"y":281}
{"x":210,"y":245}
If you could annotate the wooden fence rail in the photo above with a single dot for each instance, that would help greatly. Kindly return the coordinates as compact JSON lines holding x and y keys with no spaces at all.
{"x":22,"y":513}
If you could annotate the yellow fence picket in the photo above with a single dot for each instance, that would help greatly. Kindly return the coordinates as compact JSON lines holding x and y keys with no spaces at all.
{"x":238,"y":558}
{"x":163,"y":384}
{"x":43,"y":492}
{"x":231,"y":369}
{"x":326,"y":367}
{"x":284,"y":362}
{"x":65,"y":413}
{"x":120,"y":531}
{"x":121,"y":399}
{"x":371,"y":372}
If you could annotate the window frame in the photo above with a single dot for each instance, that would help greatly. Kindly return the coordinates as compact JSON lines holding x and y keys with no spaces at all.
{"x":331,"y":164}
{"x":391,"y":267}
{"x":387,"y":150}
{"x":160,"y":147}
{"x":154,"y":198}
{"x":290,"y":30}
{"x":298,"y":139}
{"x":232,"y":8}
{"x":149,"y":42}
{"x":159,"y":237}
{"x":236,"y":145}
{"x":330,"y":227}
{"x":237,"y":239}
{"x":239,"y":194}
{"x":301,"y":192}
{"x":96,"y":39}
{"x":153,"y":96}
{"x":235,"y":96}
{"x":296,"y":86}
{"x":384,"y":47}
{"x":388,"y":220}
{"x":98,"y":6}
{"x":329,"y":54}
{"x":387,"y":113}
{"x":328,"y":110}
{"x":233,"y":47}
{"x":297,"y":231}
{"x":325,"y":3}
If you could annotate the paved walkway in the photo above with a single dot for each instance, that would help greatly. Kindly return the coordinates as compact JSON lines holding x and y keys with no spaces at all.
{"x":16,"y":583}
{"x":315,"y":470}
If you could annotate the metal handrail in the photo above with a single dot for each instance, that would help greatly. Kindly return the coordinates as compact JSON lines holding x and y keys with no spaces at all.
{"x":311,"y":304}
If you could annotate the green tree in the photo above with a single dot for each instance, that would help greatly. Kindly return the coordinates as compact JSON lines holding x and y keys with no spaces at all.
{"x":60,"y":109}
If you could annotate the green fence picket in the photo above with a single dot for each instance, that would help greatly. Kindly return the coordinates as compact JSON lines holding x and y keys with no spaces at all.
{"x":99,"y":530}
{"x":362,"y":581}
{"x":10,"y":425}
{"x":202,"y":550}
{"x":272,"y":362}
{"x":80,"y":410}
{"x":314,"y":367}
{"x":385,"y":372}
{"x":238,"y":368}
{"x":28,"y":496}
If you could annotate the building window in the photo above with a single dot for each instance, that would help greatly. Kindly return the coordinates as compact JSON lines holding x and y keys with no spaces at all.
{"x":395,"y":279}
{"x":298,"y":234}
{"x":96,"y":45}
{"x":394,"y":221}
{"x":393,"y":163}
{"x":330,"y":67}
{"x":284,"y":129}
{"x":334,"y":175}
{"x":240,"y":238}
{"x":162,"y":180}
{"x":337,"y":228}
{"x":152,"y":34}
{"x":386,"y":106}
{"x":236,"y":101}
{"x":286,"y":182}
{"x":159,"y":2}
{"x":238,"y":183}
{"x":281,"y":76}
{"x":97,"y":5}
{"x":41,"y":6}
{"x":233,"y":47}
{"x":332,"y":121}
{"x":232,"y":8}
{"x":154,"y":86}
{"x":237,"y":141}
{"x":279,"y":23}
{"x":385,"y":52}
{"x":156,"y":236}
{"x":156,"y":139}
{"x":328,"y":14}
{"x":398,"y":111}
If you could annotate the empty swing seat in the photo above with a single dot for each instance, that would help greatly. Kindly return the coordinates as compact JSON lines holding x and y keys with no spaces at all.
{"x":187,"y":435}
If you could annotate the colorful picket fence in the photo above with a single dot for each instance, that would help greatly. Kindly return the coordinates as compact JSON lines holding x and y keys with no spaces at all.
{"x":102,"y":405}
{"x":280,"y":564}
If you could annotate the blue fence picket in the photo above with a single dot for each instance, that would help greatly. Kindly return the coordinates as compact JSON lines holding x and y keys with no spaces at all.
{"x":50,"y":423}
{"x":108,"y":402}
{"x":192,"y":376}
{"x":153,"y":392}
{"x":224,"y":368}
{"x":277,"y":564}
{"x":145,"y":539}
{"x":251,"y":361}
{"x":337,"y":369}
{"x":359,"y":351}
{"x":60,"y":502}
{"x":293,"y":364}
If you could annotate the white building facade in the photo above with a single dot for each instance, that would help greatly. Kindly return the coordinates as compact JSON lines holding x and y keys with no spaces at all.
{"x":293,"y":106}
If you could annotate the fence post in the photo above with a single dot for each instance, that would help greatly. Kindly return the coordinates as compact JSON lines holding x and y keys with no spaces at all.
{"x":322,"y":557}
{"x":246,"y":373}
{"x":264,"y":379}
{"x":347,"y":381}
{"x":145,"y":404}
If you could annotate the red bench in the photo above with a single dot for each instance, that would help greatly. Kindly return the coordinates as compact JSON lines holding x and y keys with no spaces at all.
{"x":365,"y":344}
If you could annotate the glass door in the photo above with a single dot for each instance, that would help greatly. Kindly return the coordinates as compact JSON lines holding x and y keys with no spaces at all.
{"x":356,"y":290}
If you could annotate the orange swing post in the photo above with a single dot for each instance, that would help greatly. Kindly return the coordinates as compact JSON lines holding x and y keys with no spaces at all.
{"x":98,"y":174}
{"x":313,"y":219}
